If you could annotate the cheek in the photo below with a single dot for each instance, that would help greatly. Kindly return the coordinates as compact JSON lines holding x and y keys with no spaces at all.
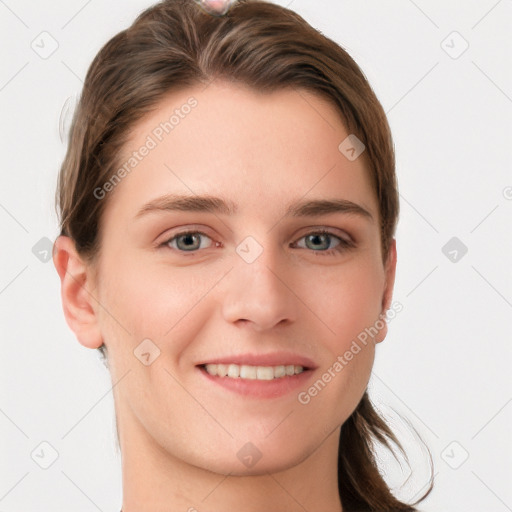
{"x":351,"y":304}
{"x":151,"y":301}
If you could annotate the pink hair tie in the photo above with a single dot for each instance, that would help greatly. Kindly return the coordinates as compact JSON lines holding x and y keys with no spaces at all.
{"x":216,"y":7}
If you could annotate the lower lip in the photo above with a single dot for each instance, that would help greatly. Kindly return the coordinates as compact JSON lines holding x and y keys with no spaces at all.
{"x":260,"y":388}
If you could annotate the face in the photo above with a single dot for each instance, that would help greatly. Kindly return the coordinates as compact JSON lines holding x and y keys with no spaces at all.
{"x":256,"y":279}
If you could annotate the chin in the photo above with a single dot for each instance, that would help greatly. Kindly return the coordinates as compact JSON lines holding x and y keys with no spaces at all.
{"x":254,"y":460}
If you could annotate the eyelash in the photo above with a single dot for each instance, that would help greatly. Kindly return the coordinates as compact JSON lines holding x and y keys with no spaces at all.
{"x":341,"y":247}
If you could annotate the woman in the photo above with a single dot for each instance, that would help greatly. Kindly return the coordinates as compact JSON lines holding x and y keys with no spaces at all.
{"x":228,"y":203}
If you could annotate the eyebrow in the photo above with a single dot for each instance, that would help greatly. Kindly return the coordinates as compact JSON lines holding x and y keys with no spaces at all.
{"x":213,"y":204}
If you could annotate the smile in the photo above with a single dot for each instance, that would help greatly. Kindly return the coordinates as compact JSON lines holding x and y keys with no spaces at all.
{"x":259,"y":382}
{"x":245,"y":371}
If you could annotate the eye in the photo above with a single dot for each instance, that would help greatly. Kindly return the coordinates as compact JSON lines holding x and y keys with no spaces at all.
{"x":322,"y":238}
{"x":187,"y":241}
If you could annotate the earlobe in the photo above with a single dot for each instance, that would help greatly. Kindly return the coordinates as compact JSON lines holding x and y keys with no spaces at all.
{"x":78,"y":303}
{"x":388,"y":290}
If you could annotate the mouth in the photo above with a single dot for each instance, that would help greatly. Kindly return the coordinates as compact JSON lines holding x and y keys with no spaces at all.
{"x":250,"y":372}
{"x":262,"y":379}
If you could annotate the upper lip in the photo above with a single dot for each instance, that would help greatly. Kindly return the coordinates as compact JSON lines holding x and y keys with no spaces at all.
{"x":270,"y":359}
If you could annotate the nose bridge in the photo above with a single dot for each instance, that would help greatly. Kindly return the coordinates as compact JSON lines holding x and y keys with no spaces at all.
{"x":257,"y":290}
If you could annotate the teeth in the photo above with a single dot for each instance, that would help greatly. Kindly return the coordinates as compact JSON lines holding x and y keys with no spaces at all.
{"x":222,"y":370}
{"x":233,"y":370}
{"x":245,"y":371}
{"x":279,"y":371}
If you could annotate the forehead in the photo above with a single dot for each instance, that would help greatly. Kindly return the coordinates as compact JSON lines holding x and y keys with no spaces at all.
{"x":257,"y":149}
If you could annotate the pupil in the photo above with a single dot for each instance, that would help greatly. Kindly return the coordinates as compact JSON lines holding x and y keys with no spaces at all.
{"x":189,"y":240}
{"x":315,"y":239}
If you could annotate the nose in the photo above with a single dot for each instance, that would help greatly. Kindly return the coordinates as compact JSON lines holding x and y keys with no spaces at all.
{"x":258,"y":294}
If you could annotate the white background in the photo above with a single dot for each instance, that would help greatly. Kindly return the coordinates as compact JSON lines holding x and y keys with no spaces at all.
{"x":445,"y":365}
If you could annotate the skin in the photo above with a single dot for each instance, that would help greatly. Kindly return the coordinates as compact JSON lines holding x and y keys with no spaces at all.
{"x":180,"y":434}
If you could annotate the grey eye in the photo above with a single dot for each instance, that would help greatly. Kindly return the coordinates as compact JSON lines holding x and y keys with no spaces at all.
{"x":189,"y":241}
{"x":320,"y":241}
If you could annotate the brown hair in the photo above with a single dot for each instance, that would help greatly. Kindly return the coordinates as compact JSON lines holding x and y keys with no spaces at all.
{"x":175,"y":44}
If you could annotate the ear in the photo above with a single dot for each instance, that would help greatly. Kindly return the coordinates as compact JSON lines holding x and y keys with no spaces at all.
{"x":78,"y":303}
{"x":388,"y":290}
